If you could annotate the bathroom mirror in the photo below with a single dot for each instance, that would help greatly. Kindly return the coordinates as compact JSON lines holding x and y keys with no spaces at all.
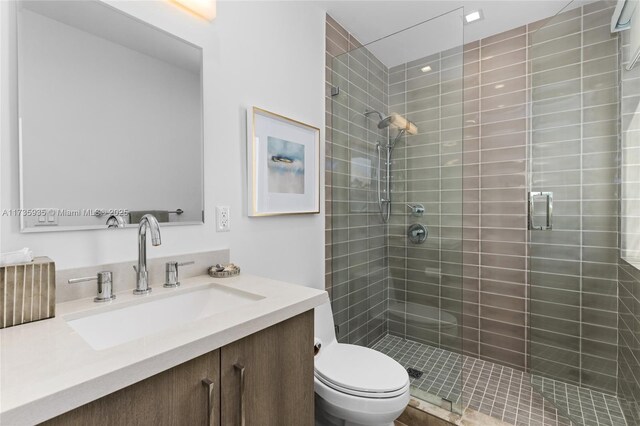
{"x":110,"y":119}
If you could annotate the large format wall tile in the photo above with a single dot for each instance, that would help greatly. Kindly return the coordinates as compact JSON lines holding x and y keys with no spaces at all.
{"x":574,"y":116}
{"x":628,"y":289}
{"x":356,"y":244}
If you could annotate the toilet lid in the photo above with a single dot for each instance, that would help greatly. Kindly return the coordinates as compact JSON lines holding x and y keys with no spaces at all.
{"x":359,"y":370}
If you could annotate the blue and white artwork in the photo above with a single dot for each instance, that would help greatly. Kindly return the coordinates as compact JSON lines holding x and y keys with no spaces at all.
{"x":285,"y":163}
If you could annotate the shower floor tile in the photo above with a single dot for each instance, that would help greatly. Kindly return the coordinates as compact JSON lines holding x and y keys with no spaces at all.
{"x":499,"y":391}
{"x":441,"y":368}
{"x":589,"y":407}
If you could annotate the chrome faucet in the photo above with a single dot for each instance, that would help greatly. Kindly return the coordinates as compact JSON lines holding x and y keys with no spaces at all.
{"x":148,"y":221}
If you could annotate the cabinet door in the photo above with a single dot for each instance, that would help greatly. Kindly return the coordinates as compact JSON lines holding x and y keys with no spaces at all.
{"x":174,"y":397}
{"x":278,"y":376}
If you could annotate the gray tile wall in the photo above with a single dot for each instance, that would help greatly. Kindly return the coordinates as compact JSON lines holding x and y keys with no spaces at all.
{"x":628,"y":272}
{"x":426,"y":280}
{"x":629,"y":338}
{"x":574,"y":68}
{"x":495,"y":192}
{"x":630,"y":193}
{"x":568,"y":68}
{"x":356,"y":236}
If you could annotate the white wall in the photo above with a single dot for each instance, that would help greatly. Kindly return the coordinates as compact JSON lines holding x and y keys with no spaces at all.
{"x":269,"y":54}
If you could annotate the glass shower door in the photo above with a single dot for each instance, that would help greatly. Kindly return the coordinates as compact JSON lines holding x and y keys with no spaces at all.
{"x":573,"y":209}
{"x":396,"y":199}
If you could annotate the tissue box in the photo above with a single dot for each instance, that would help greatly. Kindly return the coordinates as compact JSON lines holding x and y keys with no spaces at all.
{"x":27,"y":292}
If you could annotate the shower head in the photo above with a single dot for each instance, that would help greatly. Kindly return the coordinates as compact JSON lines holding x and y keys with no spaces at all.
{"x":403,"y":125}
{"x":398,"y":121}
{"x":385,"y":122}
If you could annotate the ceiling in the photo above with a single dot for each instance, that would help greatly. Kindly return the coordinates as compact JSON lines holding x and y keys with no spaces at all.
{"x":372,"y":21}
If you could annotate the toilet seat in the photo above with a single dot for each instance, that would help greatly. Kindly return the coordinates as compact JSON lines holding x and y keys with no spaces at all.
{"x":360,"y":371}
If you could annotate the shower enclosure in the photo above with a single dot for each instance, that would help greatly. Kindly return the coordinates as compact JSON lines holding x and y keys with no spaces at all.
{"x":481,"y":182}
{"x":396,"y":201}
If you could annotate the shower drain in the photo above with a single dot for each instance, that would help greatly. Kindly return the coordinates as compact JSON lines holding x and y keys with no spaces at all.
{"x":414,"y":374}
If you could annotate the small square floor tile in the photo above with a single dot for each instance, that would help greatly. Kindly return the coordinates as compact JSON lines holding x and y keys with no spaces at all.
{"x":502,"y":392}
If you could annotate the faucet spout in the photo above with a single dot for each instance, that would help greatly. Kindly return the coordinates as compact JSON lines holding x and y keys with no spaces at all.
{"x":148,"y":222}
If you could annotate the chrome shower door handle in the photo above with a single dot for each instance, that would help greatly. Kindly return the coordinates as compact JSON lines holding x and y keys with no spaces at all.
{"x":548,"y":211}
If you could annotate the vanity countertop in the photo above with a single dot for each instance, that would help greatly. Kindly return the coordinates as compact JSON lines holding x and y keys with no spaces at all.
{"x":47,"y":369}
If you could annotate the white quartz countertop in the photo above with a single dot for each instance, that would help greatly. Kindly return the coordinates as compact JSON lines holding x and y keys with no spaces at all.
{"x":47,"y":369}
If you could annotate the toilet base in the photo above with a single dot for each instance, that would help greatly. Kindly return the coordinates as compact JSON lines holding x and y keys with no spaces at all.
{"x":328,"y":415}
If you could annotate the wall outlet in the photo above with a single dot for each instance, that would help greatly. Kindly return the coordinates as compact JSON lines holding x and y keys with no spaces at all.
{"x":49,"y":219}
{"x":52,"y":217}
{"x":223,"y":219}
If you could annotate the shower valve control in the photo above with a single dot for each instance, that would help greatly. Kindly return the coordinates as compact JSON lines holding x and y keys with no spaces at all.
{"x":416,"y":209}
{"x":418,"y":233}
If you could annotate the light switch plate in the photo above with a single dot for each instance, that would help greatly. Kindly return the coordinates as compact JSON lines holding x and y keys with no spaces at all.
{"x":223,"y":219}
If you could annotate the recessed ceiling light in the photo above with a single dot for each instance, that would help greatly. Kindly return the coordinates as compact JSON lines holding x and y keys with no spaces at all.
{"x":425,"y":69}
{"x":499,"y":86}
{"x":473,"y":16}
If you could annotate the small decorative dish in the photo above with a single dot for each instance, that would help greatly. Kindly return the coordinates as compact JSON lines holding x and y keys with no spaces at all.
{"x":224,"y":271}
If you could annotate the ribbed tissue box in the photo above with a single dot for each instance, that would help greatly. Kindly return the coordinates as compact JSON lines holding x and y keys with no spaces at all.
{"x":27,"y":292}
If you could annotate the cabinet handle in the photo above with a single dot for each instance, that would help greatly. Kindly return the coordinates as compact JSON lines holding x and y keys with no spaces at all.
{"x":210,"y":402}
{"x":240,"y":367}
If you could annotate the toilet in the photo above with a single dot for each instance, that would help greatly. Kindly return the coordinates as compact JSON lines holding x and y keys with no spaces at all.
{"x":354,"y":385}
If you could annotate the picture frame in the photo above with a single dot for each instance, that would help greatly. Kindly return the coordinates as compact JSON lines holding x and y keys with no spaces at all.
{"x":283,"y":165}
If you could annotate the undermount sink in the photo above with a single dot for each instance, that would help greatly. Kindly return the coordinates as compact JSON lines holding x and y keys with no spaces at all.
{"x":143,"y":318}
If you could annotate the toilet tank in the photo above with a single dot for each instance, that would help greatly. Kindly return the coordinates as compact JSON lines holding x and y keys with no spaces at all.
{"x":324,"y":328}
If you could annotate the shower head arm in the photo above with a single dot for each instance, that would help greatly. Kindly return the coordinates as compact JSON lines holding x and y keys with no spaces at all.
{"x":373,"y":111}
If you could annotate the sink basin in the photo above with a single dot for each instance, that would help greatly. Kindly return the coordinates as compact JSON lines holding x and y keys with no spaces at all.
{"x":139,"y":319}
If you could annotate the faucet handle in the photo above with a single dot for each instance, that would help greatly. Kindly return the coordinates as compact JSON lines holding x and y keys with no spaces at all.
{"x":115,"y":221}
{"x":105,"y":285}
{"x":171,"y":273}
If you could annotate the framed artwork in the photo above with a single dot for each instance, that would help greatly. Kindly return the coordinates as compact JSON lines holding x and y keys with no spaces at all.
{"x":283,"y":165}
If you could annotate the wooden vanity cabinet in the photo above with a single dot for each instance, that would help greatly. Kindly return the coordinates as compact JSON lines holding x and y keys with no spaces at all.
{"x":277,"y":388}
{"x":278,"y":376}
{"x":173,"y":397}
